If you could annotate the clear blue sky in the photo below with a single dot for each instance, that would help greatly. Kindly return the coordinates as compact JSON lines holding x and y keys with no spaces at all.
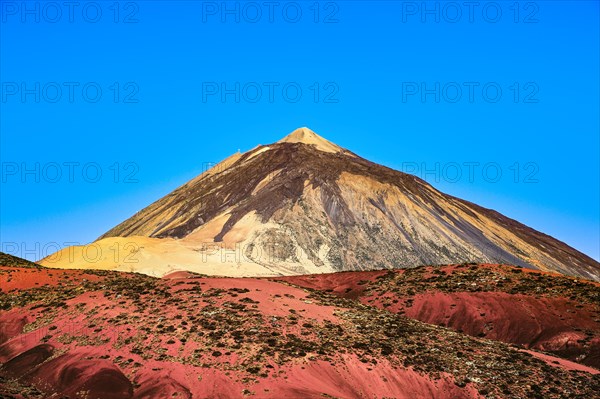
{"x":368,"y":61}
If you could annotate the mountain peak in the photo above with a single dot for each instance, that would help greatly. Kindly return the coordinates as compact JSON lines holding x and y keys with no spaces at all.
{"x":306,"y":136}
{"x":305,"y":205}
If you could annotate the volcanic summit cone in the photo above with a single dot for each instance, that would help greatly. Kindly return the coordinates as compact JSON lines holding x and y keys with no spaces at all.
{"x":305,"y":205}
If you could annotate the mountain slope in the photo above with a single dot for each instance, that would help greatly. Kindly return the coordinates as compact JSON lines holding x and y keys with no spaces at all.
{"x":305,"y":205}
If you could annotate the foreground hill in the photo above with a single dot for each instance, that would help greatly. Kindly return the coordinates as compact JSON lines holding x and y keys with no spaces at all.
{"x":11,"y":260}
{"x":546,"y":312}
{"x":304,"y":205}
{"x":110,"y":335}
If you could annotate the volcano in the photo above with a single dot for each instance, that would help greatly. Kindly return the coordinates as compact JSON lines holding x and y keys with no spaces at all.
{"x":305,"y":205}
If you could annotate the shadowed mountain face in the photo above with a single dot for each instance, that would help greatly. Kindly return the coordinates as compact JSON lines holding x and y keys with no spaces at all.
{"x":305,"y":205}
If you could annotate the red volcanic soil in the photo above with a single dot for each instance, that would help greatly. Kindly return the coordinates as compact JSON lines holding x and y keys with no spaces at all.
{"x":543,"y":311}
{"x":11,"y":324}
{"x":345,"y":284}
{"x":558,"y":362}
{"x":12,"y":279}
{"x":549,"y":324}
{"x":354,"y":379}
{"x":314,"y":379}
{"x":111,"y":335}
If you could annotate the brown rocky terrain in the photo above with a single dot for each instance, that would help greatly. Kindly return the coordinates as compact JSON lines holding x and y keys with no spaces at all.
{"x":304,"y":205}
{"x":10,"y":260}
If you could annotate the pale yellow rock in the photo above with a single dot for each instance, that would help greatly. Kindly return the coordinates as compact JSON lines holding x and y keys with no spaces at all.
{"x":306,"y":136}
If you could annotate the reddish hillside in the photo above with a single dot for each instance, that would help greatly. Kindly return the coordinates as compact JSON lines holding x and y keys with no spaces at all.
{"x":543,"y":311}
{"x":116,"y":335}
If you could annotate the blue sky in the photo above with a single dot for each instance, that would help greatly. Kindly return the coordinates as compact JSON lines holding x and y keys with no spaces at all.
{"x":155,"y":90}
